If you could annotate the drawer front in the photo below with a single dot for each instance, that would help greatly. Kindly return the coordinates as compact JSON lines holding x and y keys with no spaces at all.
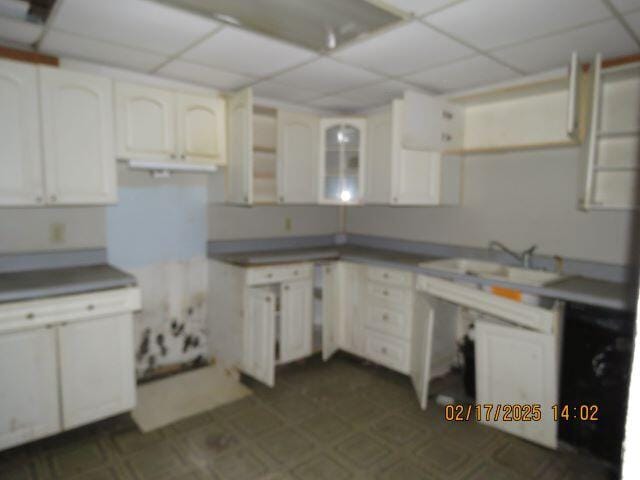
{"x":390,"y":276}
{"x":388,"y":351}
{"x":266,"y":275}
{"x":68,"y":308}
{"x":388,"y":321}
{"x":391,"y":296}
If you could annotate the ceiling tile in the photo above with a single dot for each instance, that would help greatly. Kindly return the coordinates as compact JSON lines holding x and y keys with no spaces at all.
{"x":379,"y":93}
{"x":246,"y":52}
{"x":607,"y":37}
{"x":144,"y":24}
{"x":471,"y":72}
{"x":18,"y":31}
{"x":406,"y":49}
{"x":633,"y":20}
{"x":203,"y":75}
{"x":419,"y":7}
{"x":279,"y":91}
{"x":337,"y":104}
{"x":625,"y":6}
{"x":327,"y":76}
{"x":494,"y":23}
{"x":65,"y":44}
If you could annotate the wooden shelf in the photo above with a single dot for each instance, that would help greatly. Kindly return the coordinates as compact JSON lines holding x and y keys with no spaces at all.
{"x":619,"y":133}
{"x":512,"y":148}
{"x":616,"y":168}
{"x":260,"y":149}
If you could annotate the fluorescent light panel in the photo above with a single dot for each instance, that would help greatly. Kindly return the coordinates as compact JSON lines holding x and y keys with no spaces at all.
{"x":318,"y":25}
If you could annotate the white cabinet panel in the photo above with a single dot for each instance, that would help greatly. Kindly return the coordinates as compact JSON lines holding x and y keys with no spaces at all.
{"x":259,"y":335}
{"x":421,"y":347}
{"x":422,"y":122}
{"x":20,"y":160}
{"x":379,"y":157}
{"x":29,"y":400}
{"x":518,"y":366}
{"x":240,"y":161}
{"x":331,"y":310}
{"x":297,"y":157}
{"x":97,"y":369}
{"x":145,"y":119}
{"x":416,"y":177}
{"x":77,"y":123}
{"x":201,"y":128}
{"x":296,"y":320}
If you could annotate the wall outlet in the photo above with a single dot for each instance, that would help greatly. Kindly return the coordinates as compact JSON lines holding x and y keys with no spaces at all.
{"x":288,"y":224}
{"x":57,"y":232}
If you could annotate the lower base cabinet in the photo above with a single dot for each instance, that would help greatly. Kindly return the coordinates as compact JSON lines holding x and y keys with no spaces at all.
{"x":516,"y":366}
{"x":65,"y":362}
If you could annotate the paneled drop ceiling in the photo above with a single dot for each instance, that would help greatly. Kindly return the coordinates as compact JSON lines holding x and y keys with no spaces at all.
{"x":442,"y":46}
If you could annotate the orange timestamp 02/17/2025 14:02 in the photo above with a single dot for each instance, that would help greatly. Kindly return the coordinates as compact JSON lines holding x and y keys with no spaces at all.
{"x":518,"y":412}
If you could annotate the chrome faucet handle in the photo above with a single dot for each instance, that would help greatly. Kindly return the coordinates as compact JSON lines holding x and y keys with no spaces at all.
{"x":531,"y":249}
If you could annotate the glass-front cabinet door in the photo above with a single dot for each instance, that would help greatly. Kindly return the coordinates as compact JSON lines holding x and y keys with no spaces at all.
{"x":341,"y":160}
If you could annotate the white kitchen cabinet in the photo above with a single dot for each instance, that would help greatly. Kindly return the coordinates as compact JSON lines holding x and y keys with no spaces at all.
{"x":342,"y":158}
{"x":518,"y":366}
{"x":429,"y":123}
{"x":29,"y":407}
{"x":240,"y":163}
{"x":96,"y":369}
{"x":201,"y":126}
{"x":296,"y":320}
{"x":20,"y":143}
{"x":259,"y":336}
{"x":145,"y":122}
{"x":332,"y":311}
{"x":400,"y":169}
{"x":297,"y":152}
{"x":421,"y":347}
{"x":170,"y":126}
{"x":77,"y":128}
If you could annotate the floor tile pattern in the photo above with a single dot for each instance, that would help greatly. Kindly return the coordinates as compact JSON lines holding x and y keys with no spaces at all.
{"x":344,"y":419}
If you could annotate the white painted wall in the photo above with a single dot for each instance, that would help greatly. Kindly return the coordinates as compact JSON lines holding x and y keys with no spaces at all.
{"x":520,"y":199}
{"x":29,"y":229}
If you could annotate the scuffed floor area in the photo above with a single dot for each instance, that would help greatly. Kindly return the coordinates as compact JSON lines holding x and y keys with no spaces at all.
{"x":338,"y":420}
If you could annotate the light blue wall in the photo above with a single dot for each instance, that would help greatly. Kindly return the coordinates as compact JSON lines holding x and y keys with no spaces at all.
{"x":158,"y":223}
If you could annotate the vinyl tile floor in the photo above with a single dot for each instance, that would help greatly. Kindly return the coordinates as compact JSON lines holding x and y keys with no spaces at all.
{"x":344,"y":419}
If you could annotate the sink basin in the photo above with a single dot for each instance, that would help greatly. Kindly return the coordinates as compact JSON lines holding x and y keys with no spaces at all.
{"x":497,"y":271}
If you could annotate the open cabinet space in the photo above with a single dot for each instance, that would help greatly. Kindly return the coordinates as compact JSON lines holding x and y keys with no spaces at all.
{"x":265,"y":138}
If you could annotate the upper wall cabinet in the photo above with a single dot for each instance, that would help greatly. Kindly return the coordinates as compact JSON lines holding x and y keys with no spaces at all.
{"x":77,"y":128}
{"x":164,"y":125}
{"x":272,"y":154}
{"x":612,"y":150}
{"x":69,"y":141}
{"x":405,"y":166}
{"x":541,"y":111}
{"x":20,"y":149}
{"x":342,"y":153}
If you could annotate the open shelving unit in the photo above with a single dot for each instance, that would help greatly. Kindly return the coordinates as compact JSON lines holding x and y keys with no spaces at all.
{"x":265,"y":139}
{"x":612,"y":149}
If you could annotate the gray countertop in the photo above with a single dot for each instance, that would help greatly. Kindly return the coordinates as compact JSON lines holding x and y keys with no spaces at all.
{"x":573,"y":288}
{"x":27,"y":285}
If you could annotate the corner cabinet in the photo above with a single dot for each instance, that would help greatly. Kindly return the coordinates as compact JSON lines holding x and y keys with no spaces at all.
{"x":169,"y":126}
{"x":342,"y":153}
{"x":60,"y":153}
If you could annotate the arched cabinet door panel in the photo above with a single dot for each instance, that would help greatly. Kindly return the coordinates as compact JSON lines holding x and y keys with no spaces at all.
{"x":145,"y":119}
{"x":201,"y":128}
{"x":77,"y":127}
{"x":20,"y":158}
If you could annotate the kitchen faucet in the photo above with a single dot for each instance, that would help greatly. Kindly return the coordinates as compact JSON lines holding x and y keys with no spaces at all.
{"x":524,"y":257}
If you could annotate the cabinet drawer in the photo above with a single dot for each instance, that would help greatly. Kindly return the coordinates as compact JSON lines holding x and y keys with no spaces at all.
{"x":389,"y":276}
{"x":388,"y":351}
{"x":392,"y":297}
{"x":68,"y":308}
{"x":388,"y":321}
{"x":265,"y":275}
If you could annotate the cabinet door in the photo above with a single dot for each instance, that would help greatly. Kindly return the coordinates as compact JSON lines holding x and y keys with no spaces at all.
{"x":416,"y":177}
{"x":379,"y":157}
{"x":96,"y":368}
{"x":518,"y":366}
{"x":422,"y":122}
{"x":145,"y":122}
{"x":240,"y":158}
{"x":77,"y":126}
{"x":20,"y":160}
{"x":342,"y":170}
{"x":297,"y":157}
{"x":296,"y":320}
{"x":331,"y":309}
{"x":421,"y":347}
{"x":201,"y":129}
{"x":29,"y":400}
{"x":259,"y":336}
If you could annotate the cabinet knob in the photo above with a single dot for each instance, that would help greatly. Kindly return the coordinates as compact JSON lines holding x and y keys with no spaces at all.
{"x":446,"y":114}
{"x":385,"y":293}
{"x":53,"y":198}
{"x":281,"y":199}
{"x":183,"y":156}
{"x":90,"y":307}
{"x":286,"y":287}
{"x":383,"y":350}
{"x":267,"y":299}
{"x":30,"y":316}
{"x":39,"y":199}
{"x":446,"y":137}
{"x":173,"y":156}
{"x":269,"y":275}
{"x":385,"y":275}
{"x":385,"y":317}
{"x":295,"y":272}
